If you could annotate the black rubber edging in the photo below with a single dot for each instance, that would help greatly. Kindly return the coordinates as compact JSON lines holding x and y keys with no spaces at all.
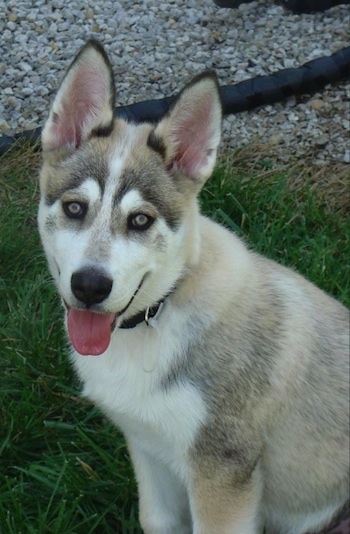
{"x":244,"y":96}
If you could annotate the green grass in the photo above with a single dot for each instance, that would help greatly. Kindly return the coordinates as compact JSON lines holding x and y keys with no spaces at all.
{"x":63,"y":468}
{"x":294,"y":228}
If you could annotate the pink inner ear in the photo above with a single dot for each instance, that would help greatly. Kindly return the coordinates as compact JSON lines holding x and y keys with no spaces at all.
{"x":64,"y":133}
{"x":193,"y":136}
{"x":81,"y":107}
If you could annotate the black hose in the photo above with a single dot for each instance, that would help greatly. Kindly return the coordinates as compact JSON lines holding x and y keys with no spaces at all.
{"x":310,"y":77}
{"x":309,"y":6}
{"x":244,"y":96}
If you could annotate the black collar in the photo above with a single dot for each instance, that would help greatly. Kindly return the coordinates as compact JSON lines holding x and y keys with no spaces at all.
{"x":142,"y":316}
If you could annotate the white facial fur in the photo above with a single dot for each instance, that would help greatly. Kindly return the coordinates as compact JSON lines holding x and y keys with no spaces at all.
{"x":156,"y":258}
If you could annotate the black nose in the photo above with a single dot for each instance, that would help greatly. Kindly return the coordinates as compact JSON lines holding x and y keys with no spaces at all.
{"x":90,"y":286}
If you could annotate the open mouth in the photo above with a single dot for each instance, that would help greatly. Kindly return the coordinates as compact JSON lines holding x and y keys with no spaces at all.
{"x":89,"y":331}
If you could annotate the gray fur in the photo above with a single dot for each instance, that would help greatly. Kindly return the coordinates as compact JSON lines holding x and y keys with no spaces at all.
{"x":235,"y":400}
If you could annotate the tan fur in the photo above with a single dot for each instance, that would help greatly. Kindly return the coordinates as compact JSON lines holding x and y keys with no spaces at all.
{"x":235,"y":400}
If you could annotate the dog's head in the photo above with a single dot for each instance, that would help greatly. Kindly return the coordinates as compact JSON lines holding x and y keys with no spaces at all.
{"x":118,"y":209}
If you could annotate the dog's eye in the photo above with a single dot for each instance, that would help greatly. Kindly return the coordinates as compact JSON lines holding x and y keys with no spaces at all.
{"x":75,"y":210}
{"x":140,"y":221}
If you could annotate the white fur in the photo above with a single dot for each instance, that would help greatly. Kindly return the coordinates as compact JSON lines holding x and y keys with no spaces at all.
{"x":124,"y":382}
{"x":89,"y":189}
{"x":116,"y":166}
{"x":227,"y":399}
{"x":62,"y":266}
{"x":299,"y":523}
{"x":131,"y":202}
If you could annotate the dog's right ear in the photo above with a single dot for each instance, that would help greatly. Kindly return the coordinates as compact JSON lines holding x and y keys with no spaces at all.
{"x":84,"y":104}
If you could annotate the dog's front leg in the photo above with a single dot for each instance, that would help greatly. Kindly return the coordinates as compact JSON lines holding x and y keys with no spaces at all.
{"x":163,"y":499}
{"x":222,"y":505}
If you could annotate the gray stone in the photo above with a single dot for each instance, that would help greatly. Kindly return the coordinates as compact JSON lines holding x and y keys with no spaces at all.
{"x":157,"y":47}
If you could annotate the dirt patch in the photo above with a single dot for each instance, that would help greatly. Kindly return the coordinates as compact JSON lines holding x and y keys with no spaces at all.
{"x":329,"y":181}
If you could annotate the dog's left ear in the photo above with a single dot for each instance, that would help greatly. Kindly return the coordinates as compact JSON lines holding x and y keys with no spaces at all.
{"x":190,"y":132}
{"x":84,"y":104}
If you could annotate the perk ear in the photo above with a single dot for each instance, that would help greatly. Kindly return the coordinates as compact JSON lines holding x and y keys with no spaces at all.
{"x":190,"y":132}
{"x":84,"y":103}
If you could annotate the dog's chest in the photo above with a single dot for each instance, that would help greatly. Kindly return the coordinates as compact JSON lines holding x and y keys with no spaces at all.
{"x":128,"y":384}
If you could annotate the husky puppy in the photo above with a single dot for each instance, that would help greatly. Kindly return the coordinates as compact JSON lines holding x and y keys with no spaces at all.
{"x":226,"y":372}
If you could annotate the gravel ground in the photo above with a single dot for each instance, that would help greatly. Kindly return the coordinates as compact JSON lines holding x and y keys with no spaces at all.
{"x":157,"y":46}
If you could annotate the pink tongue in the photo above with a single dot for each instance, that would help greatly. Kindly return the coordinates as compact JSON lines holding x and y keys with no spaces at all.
{"x":90,"y":333}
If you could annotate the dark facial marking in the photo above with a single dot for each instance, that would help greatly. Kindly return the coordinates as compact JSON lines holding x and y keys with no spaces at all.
{"x":103,"y":131}
{"x":162,"y":198}
{"x":71,"y":173}
{"x":156,"y":143}
{"x":159,"y":242}
{"x":51,"y":224}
